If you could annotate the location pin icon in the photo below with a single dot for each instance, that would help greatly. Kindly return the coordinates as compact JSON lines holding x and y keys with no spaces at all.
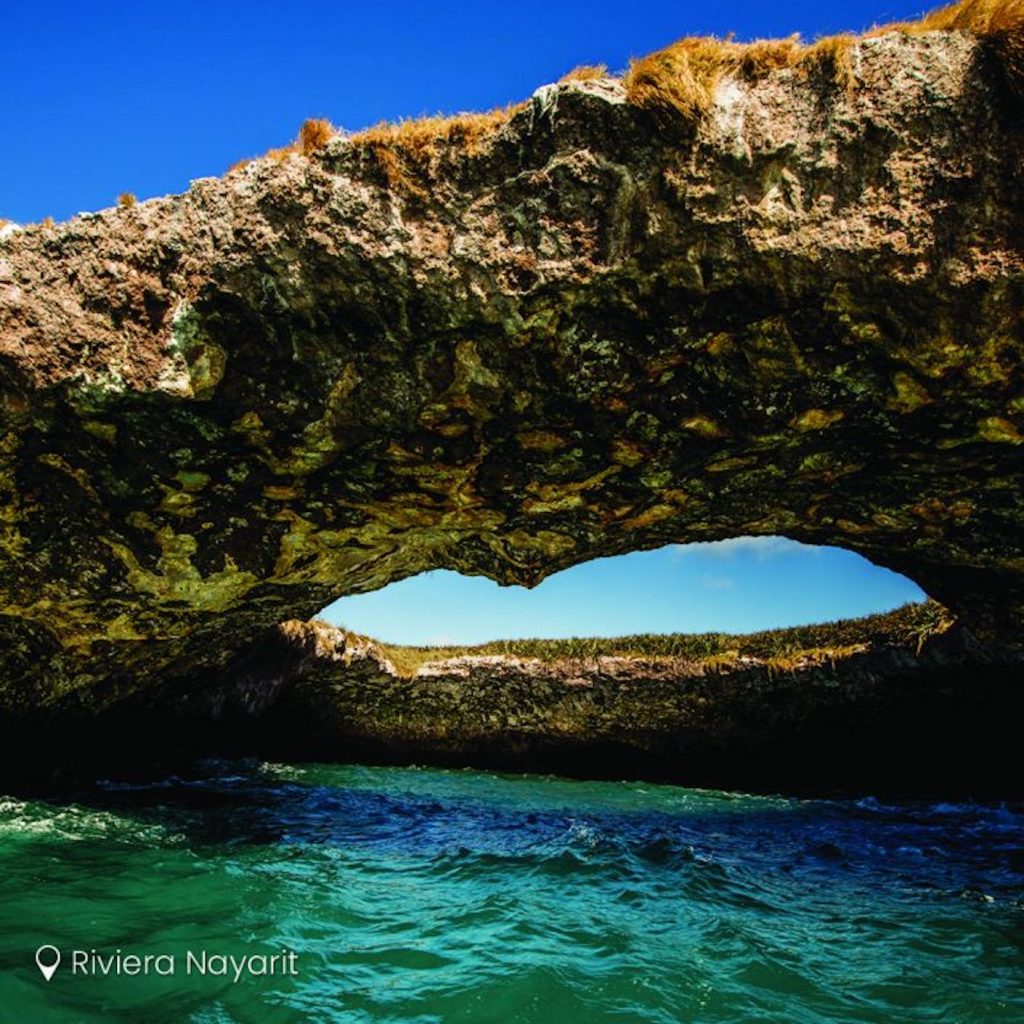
{"x":44,"y":953}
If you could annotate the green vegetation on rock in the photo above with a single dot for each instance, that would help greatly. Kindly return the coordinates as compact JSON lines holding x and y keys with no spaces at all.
{"x":908,"y":626}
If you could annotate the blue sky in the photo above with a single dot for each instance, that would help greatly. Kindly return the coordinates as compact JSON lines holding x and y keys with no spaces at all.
{"x":101,"y":98}
{"x":738,"y":585}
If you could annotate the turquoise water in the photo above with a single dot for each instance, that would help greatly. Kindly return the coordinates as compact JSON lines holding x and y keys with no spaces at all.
{"x":460,"y":896}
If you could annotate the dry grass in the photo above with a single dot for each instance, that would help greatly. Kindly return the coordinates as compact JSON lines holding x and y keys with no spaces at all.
{"x":831,"y":59}
{"x":126,"y":200}
{"x":761,"y":57}
{"x":314,"y":135}
{"x":909,"y":626}
{"x":407,"y":152}
{"x":278,"y":154}
{"x":675,"y":83}
{"x":585,"y":73}
{"x":410,"y":151}
{"x":983,"y":18}
{"x":680,"y":80}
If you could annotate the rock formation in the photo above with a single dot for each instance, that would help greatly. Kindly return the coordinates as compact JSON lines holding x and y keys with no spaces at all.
{"x":891,"y":704}
{"x":586,"y":328}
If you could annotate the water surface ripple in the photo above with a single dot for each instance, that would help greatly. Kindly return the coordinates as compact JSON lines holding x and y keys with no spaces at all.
{"x":462,"y":896}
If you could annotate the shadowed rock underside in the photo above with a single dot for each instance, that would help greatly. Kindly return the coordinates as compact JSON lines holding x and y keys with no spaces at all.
{"x":900,"y":703}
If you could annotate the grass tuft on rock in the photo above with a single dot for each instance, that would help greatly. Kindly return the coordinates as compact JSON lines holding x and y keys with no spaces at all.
{"x":314,"y":135}
{"x":410,"y":150}
{"x":585,"y":73}
{"x":680,"y":80}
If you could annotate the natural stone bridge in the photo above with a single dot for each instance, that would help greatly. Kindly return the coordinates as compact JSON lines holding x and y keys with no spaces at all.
{"x":587,"y":333}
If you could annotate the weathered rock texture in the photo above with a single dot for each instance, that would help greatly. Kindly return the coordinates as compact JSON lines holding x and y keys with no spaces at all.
{"x":877,"y":715}
{"x":588,"y":333}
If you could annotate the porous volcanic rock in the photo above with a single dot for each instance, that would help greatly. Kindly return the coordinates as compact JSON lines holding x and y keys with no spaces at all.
{"x":590,"y":333}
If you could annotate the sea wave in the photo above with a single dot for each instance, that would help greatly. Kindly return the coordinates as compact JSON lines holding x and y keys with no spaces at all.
{"x":423,"y":895}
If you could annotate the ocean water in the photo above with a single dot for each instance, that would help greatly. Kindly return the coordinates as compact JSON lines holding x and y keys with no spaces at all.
{"x":419,"y":895}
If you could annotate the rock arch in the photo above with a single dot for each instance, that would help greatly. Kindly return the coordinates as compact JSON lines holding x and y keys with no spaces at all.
{"x":588,"y":335}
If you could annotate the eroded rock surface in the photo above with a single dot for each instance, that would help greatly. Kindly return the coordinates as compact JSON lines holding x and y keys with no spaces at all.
{"x":879,"y":715}
{"x":591,"y":333}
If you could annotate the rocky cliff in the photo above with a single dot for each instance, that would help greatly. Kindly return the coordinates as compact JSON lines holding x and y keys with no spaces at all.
{"x":897,"y":703}
{"x":601,"y":321}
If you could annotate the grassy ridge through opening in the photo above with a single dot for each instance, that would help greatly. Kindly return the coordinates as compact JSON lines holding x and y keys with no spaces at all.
{"x":909,"y":626}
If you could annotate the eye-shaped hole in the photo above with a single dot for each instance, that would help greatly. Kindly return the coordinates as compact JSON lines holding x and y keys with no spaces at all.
{"x":742,"y":585}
